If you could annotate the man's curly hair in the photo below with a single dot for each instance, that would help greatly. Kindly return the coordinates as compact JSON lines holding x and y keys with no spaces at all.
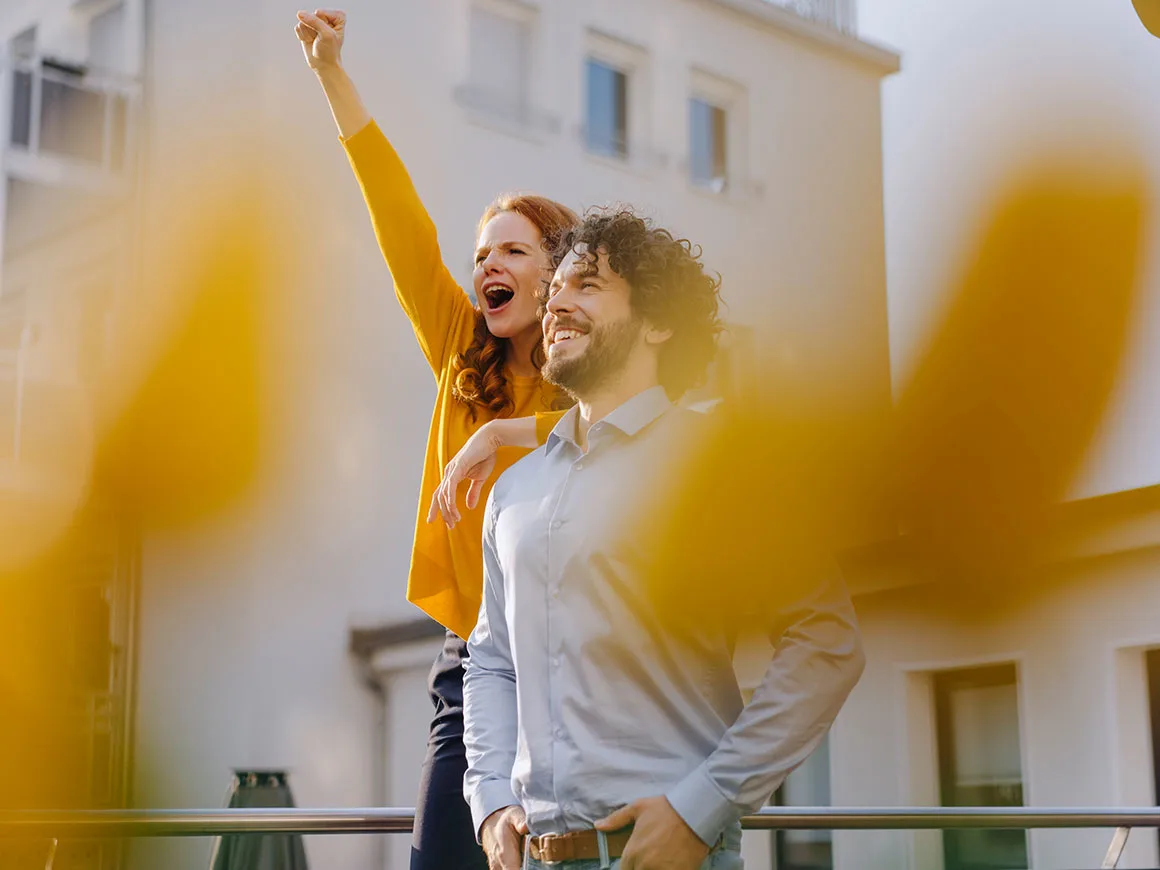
{"x":669,"y":285}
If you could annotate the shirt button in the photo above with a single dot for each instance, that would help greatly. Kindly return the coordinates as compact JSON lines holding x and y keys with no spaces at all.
{"x":555,"y":661}
{"x":556,"y":525}
{"x":556,"y":593}
{"x":559,"y":735}
{"x":579,"y":466}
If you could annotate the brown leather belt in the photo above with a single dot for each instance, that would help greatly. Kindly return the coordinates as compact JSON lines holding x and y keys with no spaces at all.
{"x":576,"y":846}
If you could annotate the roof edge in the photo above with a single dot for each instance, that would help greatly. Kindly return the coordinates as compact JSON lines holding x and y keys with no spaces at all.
{"x":884,"y":59}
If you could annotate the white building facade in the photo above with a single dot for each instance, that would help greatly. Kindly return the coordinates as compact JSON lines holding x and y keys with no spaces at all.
{"x":276,"y":635}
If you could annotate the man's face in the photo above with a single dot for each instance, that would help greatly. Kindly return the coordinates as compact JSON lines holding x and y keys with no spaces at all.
{"x":589,"y":326}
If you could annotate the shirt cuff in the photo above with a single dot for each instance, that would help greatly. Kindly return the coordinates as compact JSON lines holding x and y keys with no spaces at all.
{"x":699,"y":802}
{"x":489,"y":796}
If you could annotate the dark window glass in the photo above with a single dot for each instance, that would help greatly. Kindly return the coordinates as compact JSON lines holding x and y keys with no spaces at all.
{"x":606,"y":127}
{"x":707,"y":144}
{"x":21,"y":108}
{"x":977,"y":716}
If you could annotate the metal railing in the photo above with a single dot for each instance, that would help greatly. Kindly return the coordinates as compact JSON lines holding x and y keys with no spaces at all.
{"x":55,"y":825}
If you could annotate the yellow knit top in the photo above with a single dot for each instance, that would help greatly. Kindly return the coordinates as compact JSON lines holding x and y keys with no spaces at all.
{"x":446,"y":576}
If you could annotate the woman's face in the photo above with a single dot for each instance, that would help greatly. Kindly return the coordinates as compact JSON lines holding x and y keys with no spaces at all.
{"x":510,"y":268}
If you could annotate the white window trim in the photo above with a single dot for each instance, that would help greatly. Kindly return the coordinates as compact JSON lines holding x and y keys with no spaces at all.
{"x":633,"y":61}
{"x":917,"y":745}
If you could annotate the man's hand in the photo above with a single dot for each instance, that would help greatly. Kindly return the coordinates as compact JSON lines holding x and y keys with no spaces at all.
{"x":660,"y":838}
{"x":503,"y":834}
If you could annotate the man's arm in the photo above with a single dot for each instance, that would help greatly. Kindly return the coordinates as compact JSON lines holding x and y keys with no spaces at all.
{"x":817,"y":662}
{"x":489,"y":695}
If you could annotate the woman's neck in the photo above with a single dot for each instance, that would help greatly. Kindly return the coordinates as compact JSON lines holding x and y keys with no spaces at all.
{"x":523,"y":346}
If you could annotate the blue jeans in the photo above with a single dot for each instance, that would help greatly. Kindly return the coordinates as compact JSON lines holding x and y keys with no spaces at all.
{"x":727,"y":856}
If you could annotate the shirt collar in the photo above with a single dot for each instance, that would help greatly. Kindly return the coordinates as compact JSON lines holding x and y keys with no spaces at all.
{"x":630,"y":417}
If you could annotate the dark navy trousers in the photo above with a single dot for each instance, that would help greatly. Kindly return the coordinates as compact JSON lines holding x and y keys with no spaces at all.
{"x":444,"y":834}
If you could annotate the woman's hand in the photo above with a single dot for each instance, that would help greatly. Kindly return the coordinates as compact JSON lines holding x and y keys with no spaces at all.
{"x":321,"y":33}
{"x":474,"y":462}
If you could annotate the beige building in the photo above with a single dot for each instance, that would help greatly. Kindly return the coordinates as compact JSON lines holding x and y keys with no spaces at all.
{"x":276,"y":635}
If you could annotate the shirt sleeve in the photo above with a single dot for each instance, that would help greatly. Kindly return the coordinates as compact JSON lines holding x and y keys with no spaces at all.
{"x":489,"y":694}
{"x":439,"y":311}
{"x":817,"y":661}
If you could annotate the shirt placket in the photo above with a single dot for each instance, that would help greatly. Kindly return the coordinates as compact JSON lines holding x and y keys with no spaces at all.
{"x":558,"y":557}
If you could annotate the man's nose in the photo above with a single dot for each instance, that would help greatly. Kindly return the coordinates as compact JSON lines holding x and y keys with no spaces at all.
{"x":560,"y":301}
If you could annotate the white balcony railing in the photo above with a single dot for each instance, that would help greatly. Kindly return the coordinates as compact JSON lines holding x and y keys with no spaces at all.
{"x":839,"y":14}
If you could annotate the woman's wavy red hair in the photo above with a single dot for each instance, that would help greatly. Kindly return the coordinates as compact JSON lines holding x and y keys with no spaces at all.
{"x":479,"y":371}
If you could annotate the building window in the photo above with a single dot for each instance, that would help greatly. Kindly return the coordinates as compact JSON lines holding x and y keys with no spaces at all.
{"x":606,"y":124}
{"x":23,"y":50}
{"x":708,"y":161}
{"x":977,"y":720}
{"x":808,"y":786}
{"x":1152,"y":665}
{"x":500,"y":60}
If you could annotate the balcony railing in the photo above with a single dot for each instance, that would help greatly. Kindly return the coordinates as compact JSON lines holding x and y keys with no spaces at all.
{"x":52,"y":826}
{"x":836,"y":13}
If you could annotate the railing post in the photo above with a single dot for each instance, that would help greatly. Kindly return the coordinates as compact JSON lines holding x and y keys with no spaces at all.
{"x":1116,"y":849}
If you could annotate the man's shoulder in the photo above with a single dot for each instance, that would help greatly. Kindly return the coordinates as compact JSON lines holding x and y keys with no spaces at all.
{"x":518,"y":474}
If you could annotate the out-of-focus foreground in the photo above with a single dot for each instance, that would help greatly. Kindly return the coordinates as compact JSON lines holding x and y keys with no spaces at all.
{"x":211,"y":412}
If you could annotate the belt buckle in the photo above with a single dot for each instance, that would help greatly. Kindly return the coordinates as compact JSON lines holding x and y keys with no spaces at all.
{"x":545,"y":844}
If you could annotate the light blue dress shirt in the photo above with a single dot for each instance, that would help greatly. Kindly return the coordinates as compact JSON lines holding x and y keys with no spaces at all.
{"x":577,"y":701}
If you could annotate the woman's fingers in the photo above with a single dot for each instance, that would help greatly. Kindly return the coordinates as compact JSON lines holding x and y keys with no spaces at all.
{"x":319,"y":25}
{"x":473,"y":493}
{"x":336,"y":18}
{"x":305,"y":32}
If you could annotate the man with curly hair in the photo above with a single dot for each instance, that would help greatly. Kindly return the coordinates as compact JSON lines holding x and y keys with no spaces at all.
{"x":594,"y":733}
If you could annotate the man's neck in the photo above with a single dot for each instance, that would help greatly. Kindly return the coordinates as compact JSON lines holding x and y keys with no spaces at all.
{"x":610,"y":396}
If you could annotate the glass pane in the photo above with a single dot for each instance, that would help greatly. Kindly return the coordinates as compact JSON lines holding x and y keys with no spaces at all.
{"x":21,"y":108}
{"x":499,"y":62}
{"x":91,"y":647}
{"x":979,"y":762}
{"x":1152,"y":663}
{"x":808,"y":786}
{"x":72,"y":120}
{"x":707,"y":144}
{"x":607,"y":122}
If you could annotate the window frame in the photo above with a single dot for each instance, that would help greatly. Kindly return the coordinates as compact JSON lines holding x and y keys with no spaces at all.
{"x":733,"y":99}
{"x":633,"y":62}
{"x":944,"y":682}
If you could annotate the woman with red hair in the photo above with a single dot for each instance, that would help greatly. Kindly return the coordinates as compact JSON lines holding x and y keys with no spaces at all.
{"x":486,"y":361}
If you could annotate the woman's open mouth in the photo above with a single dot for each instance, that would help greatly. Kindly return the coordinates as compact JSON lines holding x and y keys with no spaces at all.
{"x":496,"y":296}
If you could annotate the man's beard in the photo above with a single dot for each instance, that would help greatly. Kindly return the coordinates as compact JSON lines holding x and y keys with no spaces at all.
{"x":605,"y":356}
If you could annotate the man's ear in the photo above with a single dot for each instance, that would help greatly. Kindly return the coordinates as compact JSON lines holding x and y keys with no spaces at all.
{"x":656,"y":335}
